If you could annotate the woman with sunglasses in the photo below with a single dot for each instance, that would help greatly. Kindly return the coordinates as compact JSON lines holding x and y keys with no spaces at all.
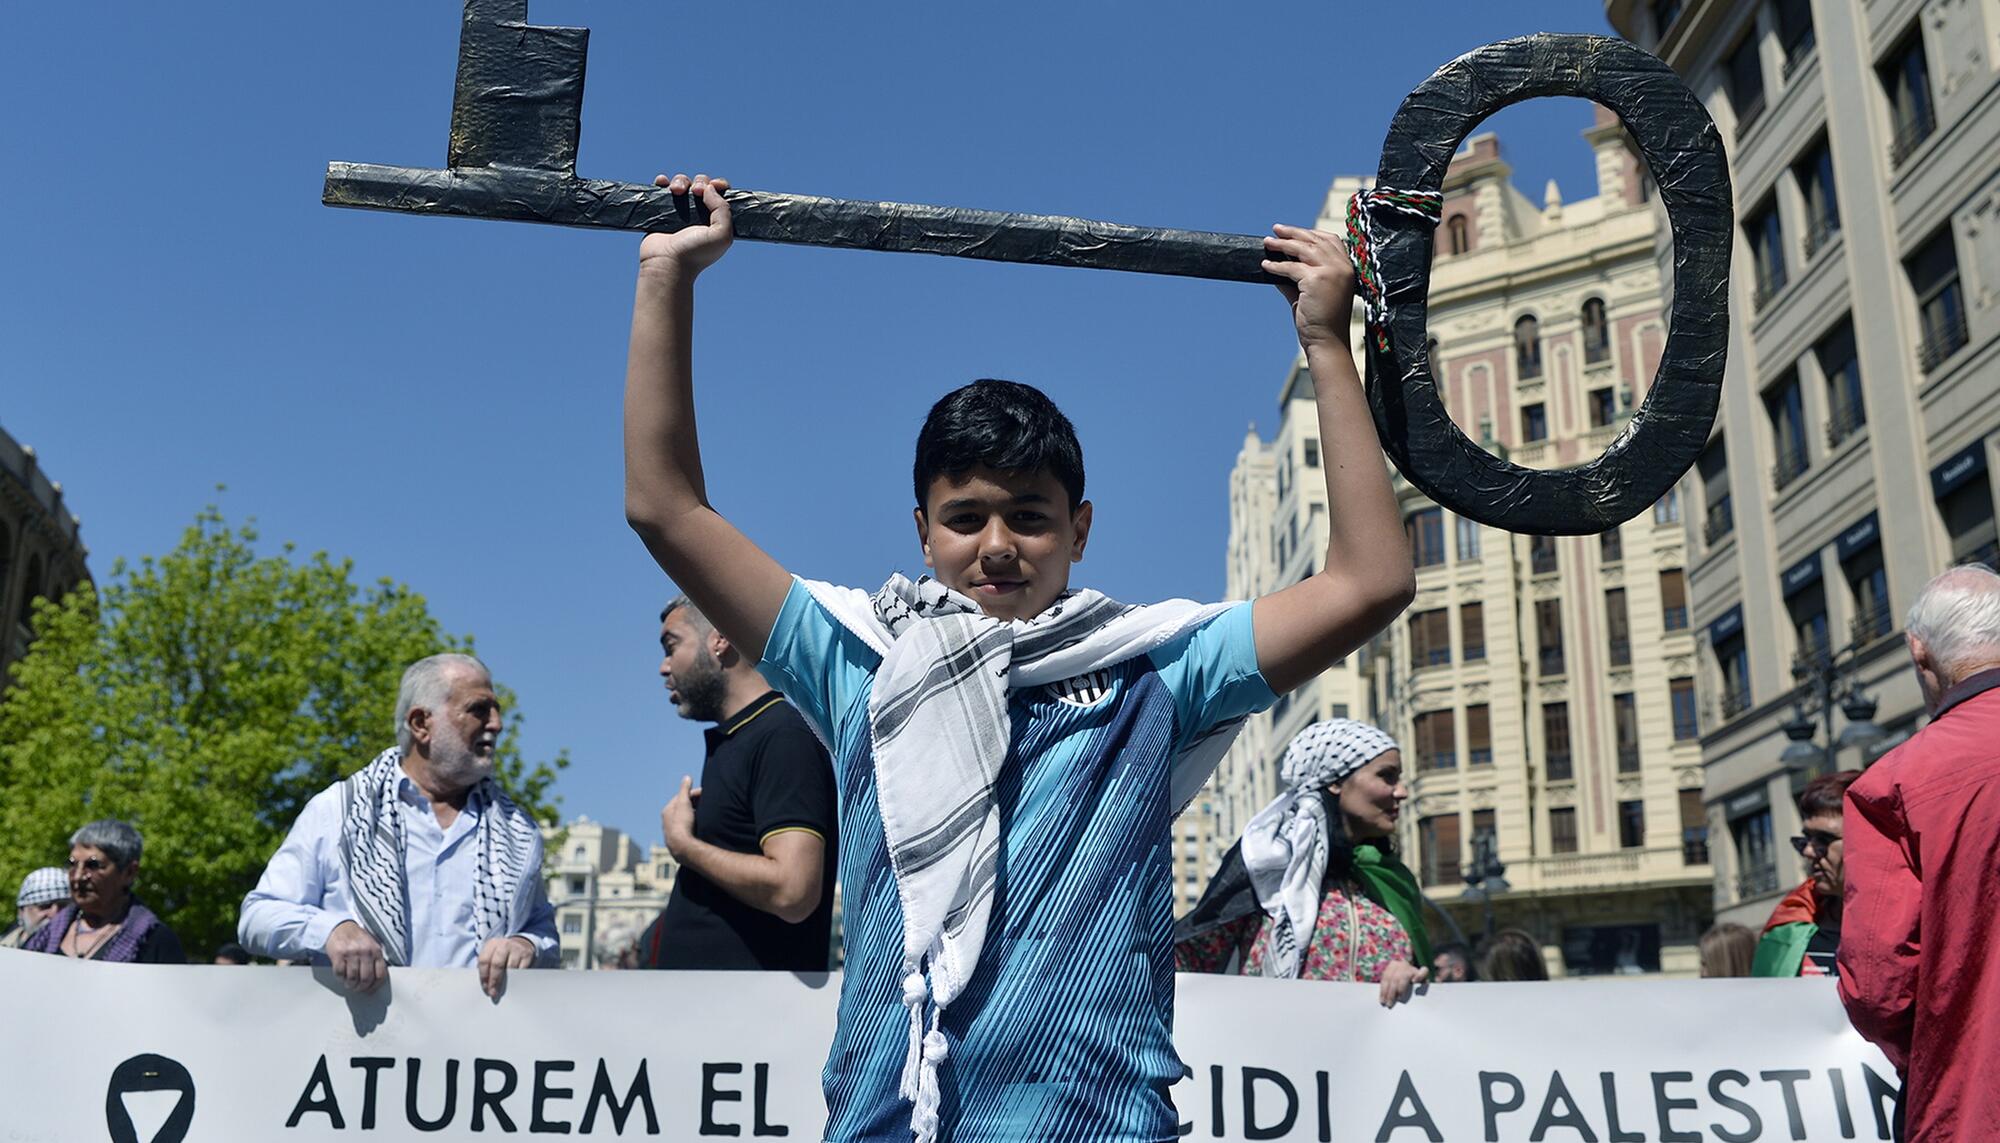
{"x":1803,"y":935}
{"x":104,"y":922}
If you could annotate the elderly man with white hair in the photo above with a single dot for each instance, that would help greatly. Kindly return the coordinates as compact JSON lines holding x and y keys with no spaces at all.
{"x":1919,"y":965}
{"x":418,"y":858}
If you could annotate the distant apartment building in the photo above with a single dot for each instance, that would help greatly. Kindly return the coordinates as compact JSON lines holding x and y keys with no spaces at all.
{"x":1852,"y":458}
{"x":41,"y":551}
{"x":604,"y":890}
{"x":1541,"y":688}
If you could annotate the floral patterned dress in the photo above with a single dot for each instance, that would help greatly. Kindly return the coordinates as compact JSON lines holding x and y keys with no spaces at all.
{"x":1353,"y":939}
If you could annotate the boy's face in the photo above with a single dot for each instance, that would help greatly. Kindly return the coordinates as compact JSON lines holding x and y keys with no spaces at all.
{"x":1004,"y":538}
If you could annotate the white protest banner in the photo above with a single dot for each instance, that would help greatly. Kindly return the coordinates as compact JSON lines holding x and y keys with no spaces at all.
{"x":143,"y":1052}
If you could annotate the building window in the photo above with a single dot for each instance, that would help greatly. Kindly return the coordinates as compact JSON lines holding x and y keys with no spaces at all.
{"x":1555,"y":740}
{"x":1625,"y":722}
{"x":1436,"y":747}
{"x":1478,"y":735}
{"x":576,"y":886}
{"x":1815,"y":178}
{"x":1528,"y":348}
{"x":1732,"y":665}
{"x":1906,"y":80}
{"x":1472,"y":631}
{"x":1542,"y":555}
{"x":1549,"y":635}
{"x":1632,"y":825}
{"x":1756,"y":856}
{"x":1534,"y":423}
{"x":1610,"y":547}
{"x":1459,"y":233}
{"x":1784,"y":404}
{"x":1665,"y":12}
{"x":1766,"y":232}
{"x":1426,"y":529}
{"x":1968,"y":520}
{"x":1312,"y":452}
{"x":1680,"y":694}
{"x":1714,"y":468}
{"x":1745,"y":73}
{"x":1847,"y":412}
{"x":1596,"y":333}
{"x":1603,"y":406}
{"x":1486,"y":825}
{"x":1468,"y":538}
{"x":1430,"y":639}
{"x":1807,"y":609}
{"x":1933,"y":271}
{"x":1694,"y":829}
{"x":1868,"y":580}
{"x":1795,"y":32}
{"x":1562,"y":830}
{"x":1618,"y":628}
{"x":1438,"y":849}
{"x":572,"y":923}
{"x":1667,"y":509}
{"x":1673,"y":600}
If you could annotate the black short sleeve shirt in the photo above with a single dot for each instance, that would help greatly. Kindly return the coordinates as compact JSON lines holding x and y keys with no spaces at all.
{"x":765,"y":774}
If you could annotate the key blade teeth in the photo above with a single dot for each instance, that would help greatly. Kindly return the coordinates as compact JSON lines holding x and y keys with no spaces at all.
{"x":518,"y":101}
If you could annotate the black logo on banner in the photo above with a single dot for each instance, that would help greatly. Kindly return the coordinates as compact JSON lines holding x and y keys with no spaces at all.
{"x":149,"y":1072}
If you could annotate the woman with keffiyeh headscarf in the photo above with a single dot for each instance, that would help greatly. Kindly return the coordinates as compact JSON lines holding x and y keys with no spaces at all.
{"x":1313,"y":891}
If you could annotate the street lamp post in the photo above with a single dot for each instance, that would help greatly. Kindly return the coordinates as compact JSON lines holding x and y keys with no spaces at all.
{"x":1826,"y":680}
{"x":1486,"y":875}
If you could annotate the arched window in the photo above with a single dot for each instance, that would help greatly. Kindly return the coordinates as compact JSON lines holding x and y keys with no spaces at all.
{"x":1528,"y":347}
{"x":1459,"y":234}
{"x":1596,"y":333}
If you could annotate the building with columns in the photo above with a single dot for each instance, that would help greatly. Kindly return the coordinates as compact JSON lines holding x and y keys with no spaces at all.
{"x":1541,"y":687}
{"x":1852,"y":458}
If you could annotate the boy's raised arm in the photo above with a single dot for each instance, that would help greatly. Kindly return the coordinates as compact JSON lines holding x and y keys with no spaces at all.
{"x":1367,"y":579}
{"x":734,"y":583}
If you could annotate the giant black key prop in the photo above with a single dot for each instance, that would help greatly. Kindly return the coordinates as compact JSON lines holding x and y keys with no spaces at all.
{"x":516,"y":116}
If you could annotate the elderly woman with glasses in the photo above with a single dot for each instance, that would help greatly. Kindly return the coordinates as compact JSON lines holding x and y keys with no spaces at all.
{"x":1802,"y":938}
{"x":104,"y":922}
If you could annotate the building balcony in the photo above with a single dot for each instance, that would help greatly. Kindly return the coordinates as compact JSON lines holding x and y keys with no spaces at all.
{"x":1765,"y":291}
{"x":1621,"y":652}
{"x":1871,"y":622}
{"x":1942,"y":340}
{"x":1910,"y":134}
{"x":1734,"y":701}
{"x":1793,"y":462}
{"x":1628,"y":758}
{"x":1756,"y":882}
{"x":1721,"y":521}
{"x":1574,"y":873}
{"x":1674,"y":618}
{"x":1820,"y":233}
{"x":1845,"y":422}
{"x":1797,"y":53}
{"x":1550,"y":661}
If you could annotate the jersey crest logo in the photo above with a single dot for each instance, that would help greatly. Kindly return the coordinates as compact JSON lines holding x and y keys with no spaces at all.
{"x":1087,"y":689}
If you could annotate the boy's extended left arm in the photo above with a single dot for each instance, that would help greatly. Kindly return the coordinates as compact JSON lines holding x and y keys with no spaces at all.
{"x":1366,"y":579}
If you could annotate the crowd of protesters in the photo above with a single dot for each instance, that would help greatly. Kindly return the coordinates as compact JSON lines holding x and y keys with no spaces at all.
{"x":864,"y":736}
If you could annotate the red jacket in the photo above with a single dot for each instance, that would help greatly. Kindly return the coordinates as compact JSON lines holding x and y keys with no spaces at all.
{"x":1919,"y":947}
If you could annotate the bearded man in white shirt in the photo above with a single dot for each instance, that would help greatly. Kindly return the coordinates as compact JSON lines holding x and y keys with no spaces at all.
{"x":418,"y":859}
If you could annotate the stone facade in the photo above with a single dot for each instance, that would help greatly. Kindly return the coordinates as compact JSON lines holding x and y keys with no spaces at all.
{"x":604,"y":890}
{"x":1851,"y":460}
{"x":41,"y":548}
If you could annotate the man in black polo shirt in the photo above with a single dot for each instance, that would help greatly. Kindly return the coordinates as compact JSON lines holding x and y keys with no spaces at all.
{"x":755,"y":842}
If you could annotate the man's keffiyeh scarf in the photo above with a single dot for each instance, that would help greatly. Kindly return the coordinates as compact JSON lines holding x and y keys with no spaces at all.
{"x":939,"y":727}
{"x":1285,"y":846}
{"x":373,"y":848}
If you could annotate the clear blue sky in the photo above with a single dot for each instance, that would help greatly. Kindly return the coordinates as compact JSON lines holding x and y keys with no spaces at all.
{"x":438,"y":399}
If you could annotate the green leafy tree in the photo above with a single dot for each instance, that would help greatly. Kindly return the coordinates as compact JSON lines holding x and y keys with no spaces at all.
{"x":205,"y":696}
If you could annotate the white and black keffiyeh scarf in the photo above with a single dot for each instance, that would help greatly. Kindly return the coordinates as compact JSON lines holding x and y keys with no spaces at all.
{"x":1285,"y":846}
{"x":373,"y":848}
{"x":940,"y":731}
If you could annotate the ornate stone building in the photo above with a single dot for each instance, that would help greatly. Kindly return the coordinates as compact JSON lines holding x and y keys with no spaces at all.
{"x":1852,"y":458}
{"x":1541,"y":688}
{"x":41,"y":548}
{"x":604,"y":890}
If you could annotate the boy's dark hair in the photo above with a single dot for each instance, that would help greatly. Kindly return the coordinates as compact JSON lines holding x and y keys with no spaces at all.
{"x":1826,"y":794}
{"x":1004,"y":425}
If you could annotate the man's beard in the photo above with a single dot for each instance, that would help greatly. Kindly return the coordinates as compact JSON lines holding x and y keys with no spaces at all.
{"x":452,"y":760}
{"x":703,"y":689}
